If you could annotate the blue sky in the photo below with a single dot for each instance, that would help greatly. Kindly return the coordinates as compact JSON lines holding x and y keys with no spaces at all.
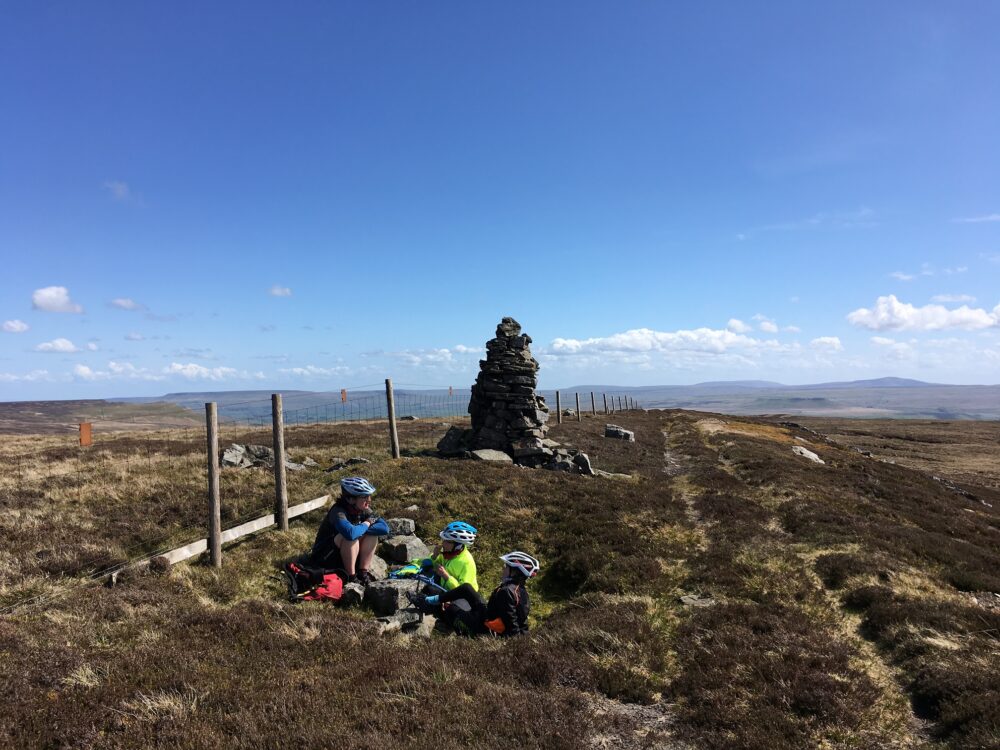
{"x":217,"y":196}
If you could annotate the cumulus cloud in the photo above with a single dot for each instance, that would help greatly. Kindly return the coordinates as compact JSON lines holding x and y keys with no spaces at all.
{"x":57,"y":346}
{"x":280,"y":291}
{"x":92,"y":346}
{"x":119,"y":190}
{"x":29,"y":377}
{"x":978,"y":219}
{"x":15,"y":326}
{"x":964,"y":298}
{"x":737,"y":326}
{"x":193,"y":371}
{"x":116,"y":371}
{"x":889,"y":314}
{"x":827,"y":343}
{"x":127,"y":303}
{"x":765,"y":323}
{"x":462,"y":349}
{"x":312,"y":371}
{"x":648,"y":340}
{"x":54,"y":299}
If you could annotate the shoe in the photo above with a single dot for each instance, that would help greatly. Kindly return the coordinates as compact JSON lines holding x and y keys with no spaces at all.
{"x":365,"y":577}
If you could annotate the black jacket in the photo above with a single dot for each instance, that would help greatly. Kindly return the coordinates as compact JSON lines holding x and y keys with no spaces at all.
{"x":507,"y":611}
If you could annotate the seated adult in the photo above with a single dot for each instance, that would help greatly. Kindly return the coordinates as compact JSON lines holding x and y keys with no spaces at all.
{"x":349,"y":533}
{"x":506,"y":613}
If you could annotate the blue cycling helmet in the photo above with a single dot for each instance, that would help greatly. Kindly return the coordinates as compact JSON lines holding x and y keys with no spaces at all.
{"x":459,"y":532}
{"x":357,"y":487}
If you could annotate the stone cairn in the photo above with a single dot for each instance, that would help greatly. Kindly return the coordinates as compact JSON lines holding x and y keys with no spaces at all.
{"x":508,"y":417}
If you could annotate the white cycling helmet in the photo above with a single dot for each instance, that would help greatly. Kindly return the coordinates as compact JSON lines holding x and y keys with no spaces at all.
{"x":523,"y":562}
{"x":459,"y":532}
{"x":357,"y":486}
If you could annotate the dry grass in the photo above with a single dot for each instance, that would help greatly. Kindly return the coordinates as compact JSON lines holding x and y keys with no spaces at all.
{"x":215,"y":658}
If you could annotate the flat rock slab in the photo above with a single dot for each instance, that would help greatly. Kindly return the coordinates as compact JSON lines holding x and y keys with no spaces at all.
{"x":354,"y":594}
{"x":341,"y":464}
{"x":618,"y":433}
{"x":693,"y":600}
{"x":402,"y":549}
{"x":386,"y":598}
{"x":798,"y":450}
{"x":401,"y":526}
{"x":379,"y":568}
{"x":488,"y":454}
{"x":610,"y":474}
{"x":405,"y":620}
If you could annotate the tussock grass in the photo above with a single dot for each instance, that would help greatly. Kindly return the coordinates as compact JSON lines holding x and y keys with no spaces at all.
{"x":199,"y":657}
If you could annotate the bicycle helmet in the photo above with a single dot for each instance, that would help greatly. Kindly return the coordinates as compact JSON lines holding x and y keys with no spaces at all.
{"x":357,"y":487}
{"x":523,"y":562}
{"x":459,"y":532}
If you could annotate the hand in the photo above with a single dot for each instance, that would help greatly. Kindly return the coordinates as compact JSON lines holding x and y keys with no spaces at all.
{"x":440,"y":570}
{"x":366,"y":523}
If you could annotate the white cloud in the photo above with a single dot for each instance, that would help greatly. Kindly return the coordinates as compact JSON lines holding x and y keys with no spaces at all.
{"x":827,"y":343}
{"x":193,"y":371}
{"x":792,"y":329}
{"x":883,"y":341}
{"x":34,"y":375}
{"x":647,"y":340}
{"x":964,"y":298}
{"x":956,"y":270}
{"x":119,"y":190}
{"x":15,"y":326}
{"x":902,"y":276}
{"x":312,"y":371}
{"x":126,"y":303}
{"x":765,"y":323}
{"x":85,"y":373}
{"x":735,"y":325}
{"x":891,"y":314}
{"x":116,"y":371}
{"x":54,"y":299}
{"x":978,"y":219}
{"x":280,"y":291}
{"x":134,"y":336}
{"x":92,"y":346}
{"x":58,"y":346}
{"x":462,"y":349}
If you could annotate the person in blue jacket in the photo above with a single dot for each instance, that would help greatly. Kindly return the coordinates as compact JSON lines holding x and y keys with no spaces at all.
{"x":349,"y":534}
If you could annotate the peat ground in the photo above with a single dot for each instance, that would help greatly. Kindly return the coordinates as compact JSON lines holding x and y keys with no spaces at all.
{"x":855,"y":601}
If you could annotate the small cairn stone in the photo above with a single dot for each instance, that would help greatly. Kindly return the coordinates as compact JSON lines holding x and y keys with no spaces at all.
{"x":618,"y":433}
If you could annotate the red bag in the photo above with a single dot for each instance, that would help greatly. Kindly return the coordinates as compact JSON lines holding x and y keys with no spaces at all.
{"x":311,"y":584}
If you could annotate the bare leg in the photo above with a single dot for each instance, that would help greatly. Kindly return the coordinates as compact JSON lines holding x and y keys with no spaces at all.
{"x":348,"y":552}
{"x":367,"y":551}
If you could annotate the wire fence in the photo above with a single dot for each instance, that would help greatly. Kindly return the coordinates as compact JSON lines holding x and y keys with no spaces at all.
{"x":139,"y":488}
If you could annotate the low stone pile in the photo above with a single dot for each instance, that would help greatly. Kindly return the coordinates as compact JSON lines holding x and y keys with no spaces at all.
{"x":386,"y":597}
{"x":245,"y":456}
{"x":619,"y":433}
{"x":508,"y":417}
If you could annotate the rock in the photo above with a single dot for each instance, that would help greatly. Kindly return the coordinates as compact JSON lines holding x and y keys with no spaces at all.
{"x":402,"y":549}
{"x":341,"y":464}
{"x":404,"y":619}
{"x":294,"y":467}
{"x":401,"y":526}
{"x":408,"y":418}
{"x":244,"y":456}
{"x":112,"y":580}
{"x":694,"y":600}
{"x":489,"y":454}
{"x":411,"y":508}
{"x":582,"y":460}
{"x":610,"y":474}
{"x":454,"y":442}
{"x":798,"y":450}
{"x":235,"y":456}
{"x":309,"y":462}
{"x":425,"y":627}
{"x":354,"y":594}
{"x":378,"y":568}
{"x":569,"y":412}
{"x":387,"y":597}
{"x":618,"y":433}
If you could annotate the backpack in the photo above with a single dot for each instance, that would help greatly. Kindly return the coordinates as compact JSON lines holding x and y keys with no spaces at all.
{"x":311,"y":584}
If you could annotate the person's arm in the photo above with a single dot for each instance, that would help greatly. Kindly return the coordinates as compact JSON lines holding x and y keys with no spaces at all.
{"x":346,"y":529}
{"x":378,"y":527}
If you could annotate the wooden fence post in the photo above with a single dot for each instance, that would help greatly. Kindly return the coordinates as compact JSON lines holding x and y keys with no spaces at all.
{"x":578,"y":417}
{"x":214,"y":501}
{"x":280,"y":482}
{"x":391,"y":405}
{"x":558,"y":409}
{"x":593,"y":404}
{"x":619,"y":403}
{"x":606,"y":412}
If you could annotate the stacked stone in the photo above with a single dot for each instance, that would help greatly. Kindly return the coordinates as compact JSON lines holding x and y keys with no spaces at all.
{"x":506,"y":413}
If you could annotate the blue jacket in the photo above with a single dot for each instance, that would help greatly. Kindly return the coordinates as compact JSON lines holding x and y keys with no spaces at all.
{"x":344,"y":520}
